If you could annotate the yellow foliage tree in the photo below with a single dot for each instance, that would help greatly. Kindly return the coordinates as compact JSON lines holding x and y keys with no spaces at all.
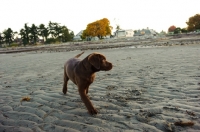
{"x":193,"y":23}
{"x":99,"y":28}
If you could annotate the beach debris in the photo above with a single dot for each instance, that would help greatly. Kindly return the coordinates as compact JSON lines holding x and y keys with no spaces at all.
{"x":25,"y":98}
{"x":147,"y":113}
{"x":142,"y":118}
{"x":137,"y":92}
{"x":169,"y":126}
{"x":183,"y":124}
{"x":8,"y":86}
{"x":111,"y":87}
{"x":128,"y":116}
{"x":190,"y":113}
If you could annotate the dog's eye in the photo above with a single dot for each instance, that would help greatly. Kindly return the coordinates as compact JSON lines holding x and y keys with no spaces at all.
{"x":103,"y":60}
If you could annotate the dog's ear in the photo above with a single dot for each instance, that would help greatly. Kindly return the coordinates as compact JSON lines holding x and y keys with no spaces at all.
{"x":94,"y":59}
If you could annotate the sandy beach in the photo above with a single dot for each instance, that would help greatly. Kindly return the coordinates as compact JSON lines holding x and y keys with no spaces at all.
{"x":149,"y":89}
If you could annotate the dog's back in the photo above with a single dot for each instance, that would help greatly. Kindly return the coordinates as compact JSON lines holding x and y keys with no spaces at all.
{"x":70,"y":65}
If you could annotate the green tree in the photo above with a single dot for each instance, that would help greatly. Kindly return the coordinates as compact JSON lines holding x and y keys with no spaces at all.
{"x":177,"y":30}
{"x":8,"y":36}
{"x":66,"y":36}
{"x":25,"y":34}
{"x":55,"y":29}
{"x":84,"y":34}
{"x":43,"y":31}
{"x":71,"y":35}
{"x":184,"y":30}
{"x":33,"y":33}
{"x":1,"y":39}
{"x":22,"y":33}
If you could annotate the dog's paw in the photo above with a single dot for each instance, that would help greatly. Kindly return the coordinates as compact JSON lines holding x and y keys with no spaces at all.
{"x":64,"y":90}
{"x":92,"y":111}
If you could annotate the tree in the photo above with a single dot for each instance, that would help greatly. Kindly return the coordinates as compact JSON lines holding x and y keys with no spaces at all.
{"x":171,"y":28}
{"x":1,"y":39}
{"x":99,"y":28}
{"x":43,"y":31}
{"x":27,"y":31}
{"x":184,"y":30}
{"x":33,"y":33}
{"x":8,"y":36}
{"x":65,"y":34}
{"x":55,"y":29}
{"x":71,"y":35}
{"x":193,"y":23}
{"x":177,"y":30}
{"x":84,"y":34}
{"x":25,"y":34}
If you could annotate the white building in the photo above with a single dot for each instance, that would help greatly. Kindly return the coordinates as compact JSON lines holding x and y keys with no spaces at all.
{"x":124,"y":33}
{"x":78,"y":36}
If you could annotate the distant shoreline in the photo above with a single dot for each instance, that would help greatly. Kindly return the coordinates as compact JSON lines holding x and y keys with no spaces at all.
{"x":95,"y":45}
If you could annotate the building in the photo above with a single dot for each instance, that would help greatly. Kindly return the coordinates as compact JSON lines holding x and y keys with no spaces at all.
{"x":124,"y":33}
{"x":147,"y":32}
{"x":78,"y":36}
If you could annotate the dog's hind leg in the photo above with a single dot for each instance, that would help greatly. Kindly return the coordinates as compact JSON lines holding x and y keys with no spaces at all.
{"x":65,"y":79}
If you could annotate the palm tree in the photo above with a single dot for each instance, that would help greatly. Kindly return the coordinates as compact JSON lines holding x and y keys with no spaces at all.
{"x":8,"y":36}
{"x":33,"y":33}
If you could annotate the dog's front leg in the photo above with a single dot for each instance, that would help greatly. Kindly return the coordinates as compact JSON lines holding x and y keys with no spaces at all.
{"x":86,"y":100}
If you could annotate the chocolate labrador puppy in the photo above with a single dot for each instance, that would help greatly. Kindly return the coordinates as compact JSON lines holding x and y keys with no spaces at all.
{"x":82,"y":73}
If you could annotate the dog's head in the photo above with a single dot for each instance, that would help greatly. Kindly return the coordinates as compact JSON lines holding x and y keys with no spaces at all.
{"x":99,"y":62}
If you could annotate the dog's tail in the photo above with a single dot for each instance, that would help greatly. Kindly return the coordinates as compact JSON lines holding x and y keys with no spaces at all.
{"x":79,"y":55}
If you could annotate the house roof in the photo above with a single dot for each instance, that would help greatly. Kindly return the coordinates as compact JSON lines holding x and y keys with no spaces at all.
{"x":80,"y":33}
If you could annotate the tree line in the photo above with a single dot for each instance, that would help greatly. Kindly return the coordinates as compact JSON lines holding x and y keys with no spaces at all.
{"x":52,"y":33}
{"x":193,"y":24}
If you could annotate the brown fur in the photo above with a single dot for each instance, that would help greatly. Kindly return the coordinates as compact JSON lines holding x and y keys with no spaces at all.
{"x":82,"y":73}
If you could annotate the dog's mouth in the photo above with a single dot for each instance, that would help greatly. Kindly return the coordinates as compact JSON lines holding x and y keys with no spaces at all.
{"x":108,"y":67}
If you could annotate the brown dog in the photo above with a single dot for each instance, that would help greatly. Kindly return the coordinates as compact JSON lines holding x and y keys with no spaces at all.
{"x":82,"y":73}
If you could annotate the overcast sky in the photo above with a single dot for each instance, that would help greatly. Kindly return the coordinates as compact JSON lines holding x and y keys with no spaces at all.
{"x":76,"y":14}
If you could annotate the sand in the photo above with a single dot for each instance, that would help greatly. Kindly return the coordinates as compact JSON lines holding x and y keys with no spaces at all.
{"x":148,"y":89}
